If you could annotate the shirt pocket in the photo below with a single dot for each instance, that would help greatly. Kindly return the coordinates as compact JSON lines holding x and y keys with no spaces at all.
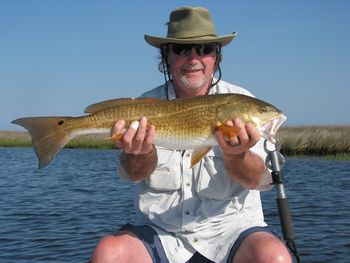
{"x":167,"y":176}
{"x":213,"y":182}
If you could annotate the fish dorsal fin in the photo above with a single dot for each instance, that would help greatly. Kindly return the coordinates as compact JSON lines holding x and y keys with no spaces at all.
{"x":198,"y":154}
{"x":117,"y":102}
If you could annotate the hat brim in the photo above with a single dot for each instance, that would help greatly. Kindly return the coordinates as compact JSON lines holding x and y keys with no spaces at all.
{"x":158,"y":41}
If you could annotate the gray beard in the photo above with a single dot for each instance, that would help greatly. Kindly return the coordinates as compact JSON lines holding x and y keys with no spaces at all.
{"x":192,"y":85}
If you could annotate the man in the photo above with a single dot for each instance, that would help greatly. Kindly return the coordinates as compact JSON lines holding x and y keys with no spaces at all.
{"x":212,"y":212}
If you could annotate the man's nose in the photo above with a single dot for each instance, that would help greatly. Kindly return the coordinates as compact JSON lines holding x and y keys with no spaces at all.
{"x":193,"y":54}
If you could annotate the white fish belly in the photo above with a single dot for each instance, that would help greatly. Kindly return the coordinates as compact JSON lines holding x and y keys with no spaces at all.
{"x":105,"y":131}
{"x":178,"y":143}
{"x":171,"y":142}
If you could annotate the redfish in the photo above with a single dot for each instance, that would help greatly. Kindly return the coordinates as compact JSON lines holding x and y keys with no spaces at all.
{"x":181,"y":124}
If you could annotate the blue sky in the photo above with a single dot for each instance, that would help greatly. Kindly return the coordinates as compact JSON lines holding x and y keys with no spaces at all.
{"x":57,"y":57}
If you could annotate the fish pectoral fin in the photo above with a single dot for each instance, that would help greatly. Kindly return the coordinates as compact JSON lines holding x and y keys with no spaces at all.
{"x":228,"y":131}
{"x":115,"y":137}
{"x":198,"y":154}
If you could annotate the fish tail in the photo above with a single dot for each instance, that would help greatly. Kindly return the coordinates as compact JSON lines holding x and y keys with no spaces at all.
{"x":49,"y":135}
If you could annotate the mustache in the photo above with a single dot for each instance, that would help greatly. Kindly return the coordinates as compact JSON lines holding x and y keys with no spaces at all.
{"x":189,"y":67}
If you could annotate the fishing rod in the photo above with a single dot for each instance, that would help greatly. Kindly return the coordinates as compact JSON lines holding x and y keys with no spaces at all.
{"x":275,"y":161}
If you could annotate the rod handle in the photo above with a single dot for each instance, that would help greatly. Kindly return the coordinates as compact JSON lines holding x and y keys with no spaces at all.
{"x":285,"y":218}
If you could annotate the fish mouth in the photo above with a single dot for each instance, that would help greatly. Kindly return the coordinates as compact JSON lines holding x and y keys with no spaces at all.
{"x":270,"y":129}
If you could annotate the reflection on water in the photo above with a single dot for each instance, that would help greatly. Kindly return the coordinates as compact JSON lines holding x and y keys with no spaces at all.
{"x":59,"y":213}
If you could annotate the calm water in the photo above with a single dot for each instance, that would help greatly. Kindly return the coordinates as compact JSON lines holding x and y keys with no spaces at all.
{"x":59,"y":213}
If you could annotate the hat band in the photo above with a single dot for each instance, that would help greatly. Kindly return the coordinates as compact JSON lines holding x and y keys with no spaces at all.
{"x":190,"y":34}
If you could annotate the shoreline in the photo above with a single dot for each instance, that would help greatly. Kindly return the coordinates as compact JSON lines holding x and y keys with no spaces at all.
{"x":320,"y":141}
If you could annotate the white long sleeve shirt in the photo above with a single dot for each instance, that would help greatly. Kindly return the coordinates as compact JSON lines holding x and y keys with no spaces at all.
{"x":200,"y":209}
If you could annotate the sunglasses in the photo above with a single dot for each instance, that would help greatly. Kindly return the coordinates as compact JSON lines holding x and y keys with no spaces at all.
{"x":185,"y":50}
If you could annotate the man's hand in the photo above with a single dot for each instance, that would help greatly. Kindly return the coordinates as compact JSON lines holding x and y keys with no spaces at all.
{"x":138,"y":139}
{"x":241,"y":164}
{"x":246,"y":138}
{"x":139,"y":156}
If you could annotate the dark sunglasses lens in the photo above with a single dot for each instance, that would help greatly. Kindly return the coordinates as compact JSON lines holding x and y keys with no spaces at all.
{"x":179,"y":49}
{"x":185,"y":50}
{"x":208,"y":48}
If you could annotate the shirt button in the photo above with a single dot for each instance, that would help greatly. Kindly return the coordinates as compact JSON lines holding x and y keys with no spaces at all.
{"x":187,"y":155}
{"x":187,"y":213}
{"x":188,"y":183}
{"x":195,"y":239}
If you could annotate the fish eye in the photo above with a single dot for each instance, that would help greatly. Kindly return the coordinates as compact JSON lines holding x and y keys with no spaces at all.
{"x":262,"y":109}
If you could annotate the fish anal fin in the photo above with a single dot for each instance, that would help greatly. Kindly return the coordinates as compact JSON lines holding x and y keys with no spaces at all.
{"x":198,"y":154}
{"x":117,"y":103}
{"x":115,"y":137}
{"x":228,"y":131}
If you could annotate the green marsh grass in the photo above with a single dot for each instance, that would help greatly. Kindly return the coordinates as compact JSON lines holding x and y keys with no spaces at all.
{"x":14,"y":139}
{"x":316,"y":140}
{"x":22,"y":139}
{"x":328,"y":141}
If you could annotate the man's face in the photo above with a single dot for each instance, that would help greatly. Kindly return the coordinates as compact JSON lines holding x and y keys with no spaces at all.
{"x":191,"y":72}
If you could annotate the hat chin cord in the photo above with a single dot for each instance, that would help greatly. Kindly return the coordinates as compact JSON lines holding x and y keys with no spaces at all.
{"x":166,"y":70}
{"x":217,"y":62}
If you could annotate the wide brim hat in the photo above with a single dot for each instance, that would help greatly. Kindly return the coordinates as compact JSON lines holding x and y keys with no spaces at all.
{"x":190,"y":25}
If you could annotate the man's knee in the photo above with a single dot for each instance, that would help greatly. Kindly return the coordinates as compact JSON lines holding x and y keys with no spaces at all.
{"x":120,"y":248}
{"x":108,"y":249}
{"x":262,"y":247}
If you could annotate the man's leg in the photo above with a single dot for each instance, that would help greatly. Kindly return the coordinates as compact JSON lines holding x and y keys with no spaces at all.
{"x":124,"y":247}
{"x":262,"y":247}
